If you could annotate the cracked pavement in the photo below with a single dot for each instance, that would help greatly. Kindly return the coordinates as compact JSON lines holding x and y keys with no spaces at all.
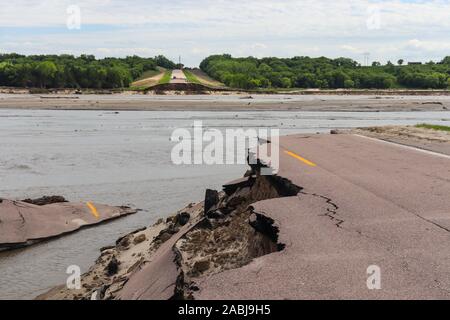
{"x":23,"y":224}
{"x":365,"y":203}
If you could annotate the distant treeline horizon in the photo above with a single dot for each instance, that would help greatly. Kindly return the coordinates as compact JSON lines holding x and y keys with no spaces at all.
{"x":86,"y":71}
{"x":68,"y":71}
{"x":324,"y":73}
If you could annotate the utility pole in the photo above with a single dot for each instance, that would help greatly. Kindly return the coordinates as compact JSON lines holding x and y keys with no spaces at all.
{"x":366,"y":58}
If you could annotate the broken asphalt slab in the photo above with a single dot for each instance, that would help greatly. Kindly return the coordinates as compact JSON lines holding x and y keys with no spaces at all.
{"x":24,"y":223}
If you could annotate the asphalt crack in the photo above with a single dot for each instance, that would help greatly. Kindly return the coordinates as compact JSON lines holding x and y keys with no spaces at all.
{"x":332,"y":210}
{"x":22,"y":222}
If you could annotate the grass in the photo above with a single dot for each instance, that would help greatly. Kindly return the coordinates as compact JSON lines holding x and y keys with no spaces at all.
{"x":148,"y":74}
{"x":166,"y":77}
{"x":433,"y":127}
{"x":191,"y":78}
{"x":206,"y":79}
{"x":136,"y":88}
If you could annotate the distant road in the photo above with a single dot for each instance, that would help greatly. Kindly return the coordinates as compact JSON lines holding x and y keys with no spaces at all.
{"x":178,"y":77}
{"x":365,"y":203}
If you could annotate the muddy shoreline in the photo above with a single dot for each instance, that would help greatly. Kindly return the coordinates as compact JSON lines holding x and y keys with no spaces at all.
{"x":225,"y":91}
{"x":227,"y":102}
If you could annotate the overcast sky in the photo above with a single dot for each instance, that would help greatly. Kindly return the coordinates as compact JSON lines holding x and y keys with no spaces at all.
{"x":389,"y":30}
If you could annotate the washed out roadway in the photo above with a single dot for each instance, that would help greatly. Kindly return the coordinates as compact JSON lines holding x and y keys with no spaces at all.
{"x":365,"y":203}
{"x":178,"y":76}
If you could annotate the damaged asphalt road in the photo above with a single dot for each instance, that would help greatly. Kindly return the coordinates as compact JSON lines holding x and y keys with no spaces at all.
{"x":366,"y":203}
{"x":311,"y":232}
{"x":317,"y":230}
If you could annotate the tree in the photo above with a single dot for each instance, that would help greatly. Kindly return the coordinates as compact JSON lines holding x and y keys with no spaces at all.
{"x":118,"y":77}
{"x":345,"y":62}
{"x":46,"y":72}
{"x":337,"y":79}
{"x":446,"y":60}
{"x":164,"y":62}
{"x":400,"y":62}
{"x":286,"y":82}
{"x":264,"y":69}
{"x":305,"y":80}
{"x":73,"y":72}
{"x":349,"y":84}
{"x":306,"y":72}
{"x":322,"y":84}
{"x":265,"y":83}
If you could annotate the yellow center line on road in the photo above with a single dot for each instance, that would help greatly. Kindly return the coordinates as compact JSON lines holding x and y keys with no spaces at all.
{"x":296,"y":156}
{"x":93,"y":209}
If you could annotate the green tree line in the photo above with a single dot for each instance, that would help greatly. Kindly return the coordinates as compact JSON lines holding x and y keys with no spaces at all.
{"x":68,"y":71}
{"x":324,"y":73}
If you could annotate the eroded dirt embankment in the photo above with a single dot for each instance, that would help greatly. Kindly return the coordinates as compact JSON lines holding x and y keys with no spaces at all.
{"x":422,"y":138}
{"x":219,"y":234}
{"x":231,"y":234}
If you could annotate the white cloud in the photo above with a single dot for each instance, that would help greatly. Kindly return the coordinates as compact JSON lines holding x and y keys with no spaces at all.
{"x":431,"y":46}
{"x":128,"y":51}
{"x":195,"y":28}
{"x":352,"y":49}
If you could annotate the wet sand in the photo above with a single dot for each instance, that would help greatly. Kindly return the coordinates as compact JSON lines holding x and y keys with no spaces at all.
{"x":225,"y":102}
